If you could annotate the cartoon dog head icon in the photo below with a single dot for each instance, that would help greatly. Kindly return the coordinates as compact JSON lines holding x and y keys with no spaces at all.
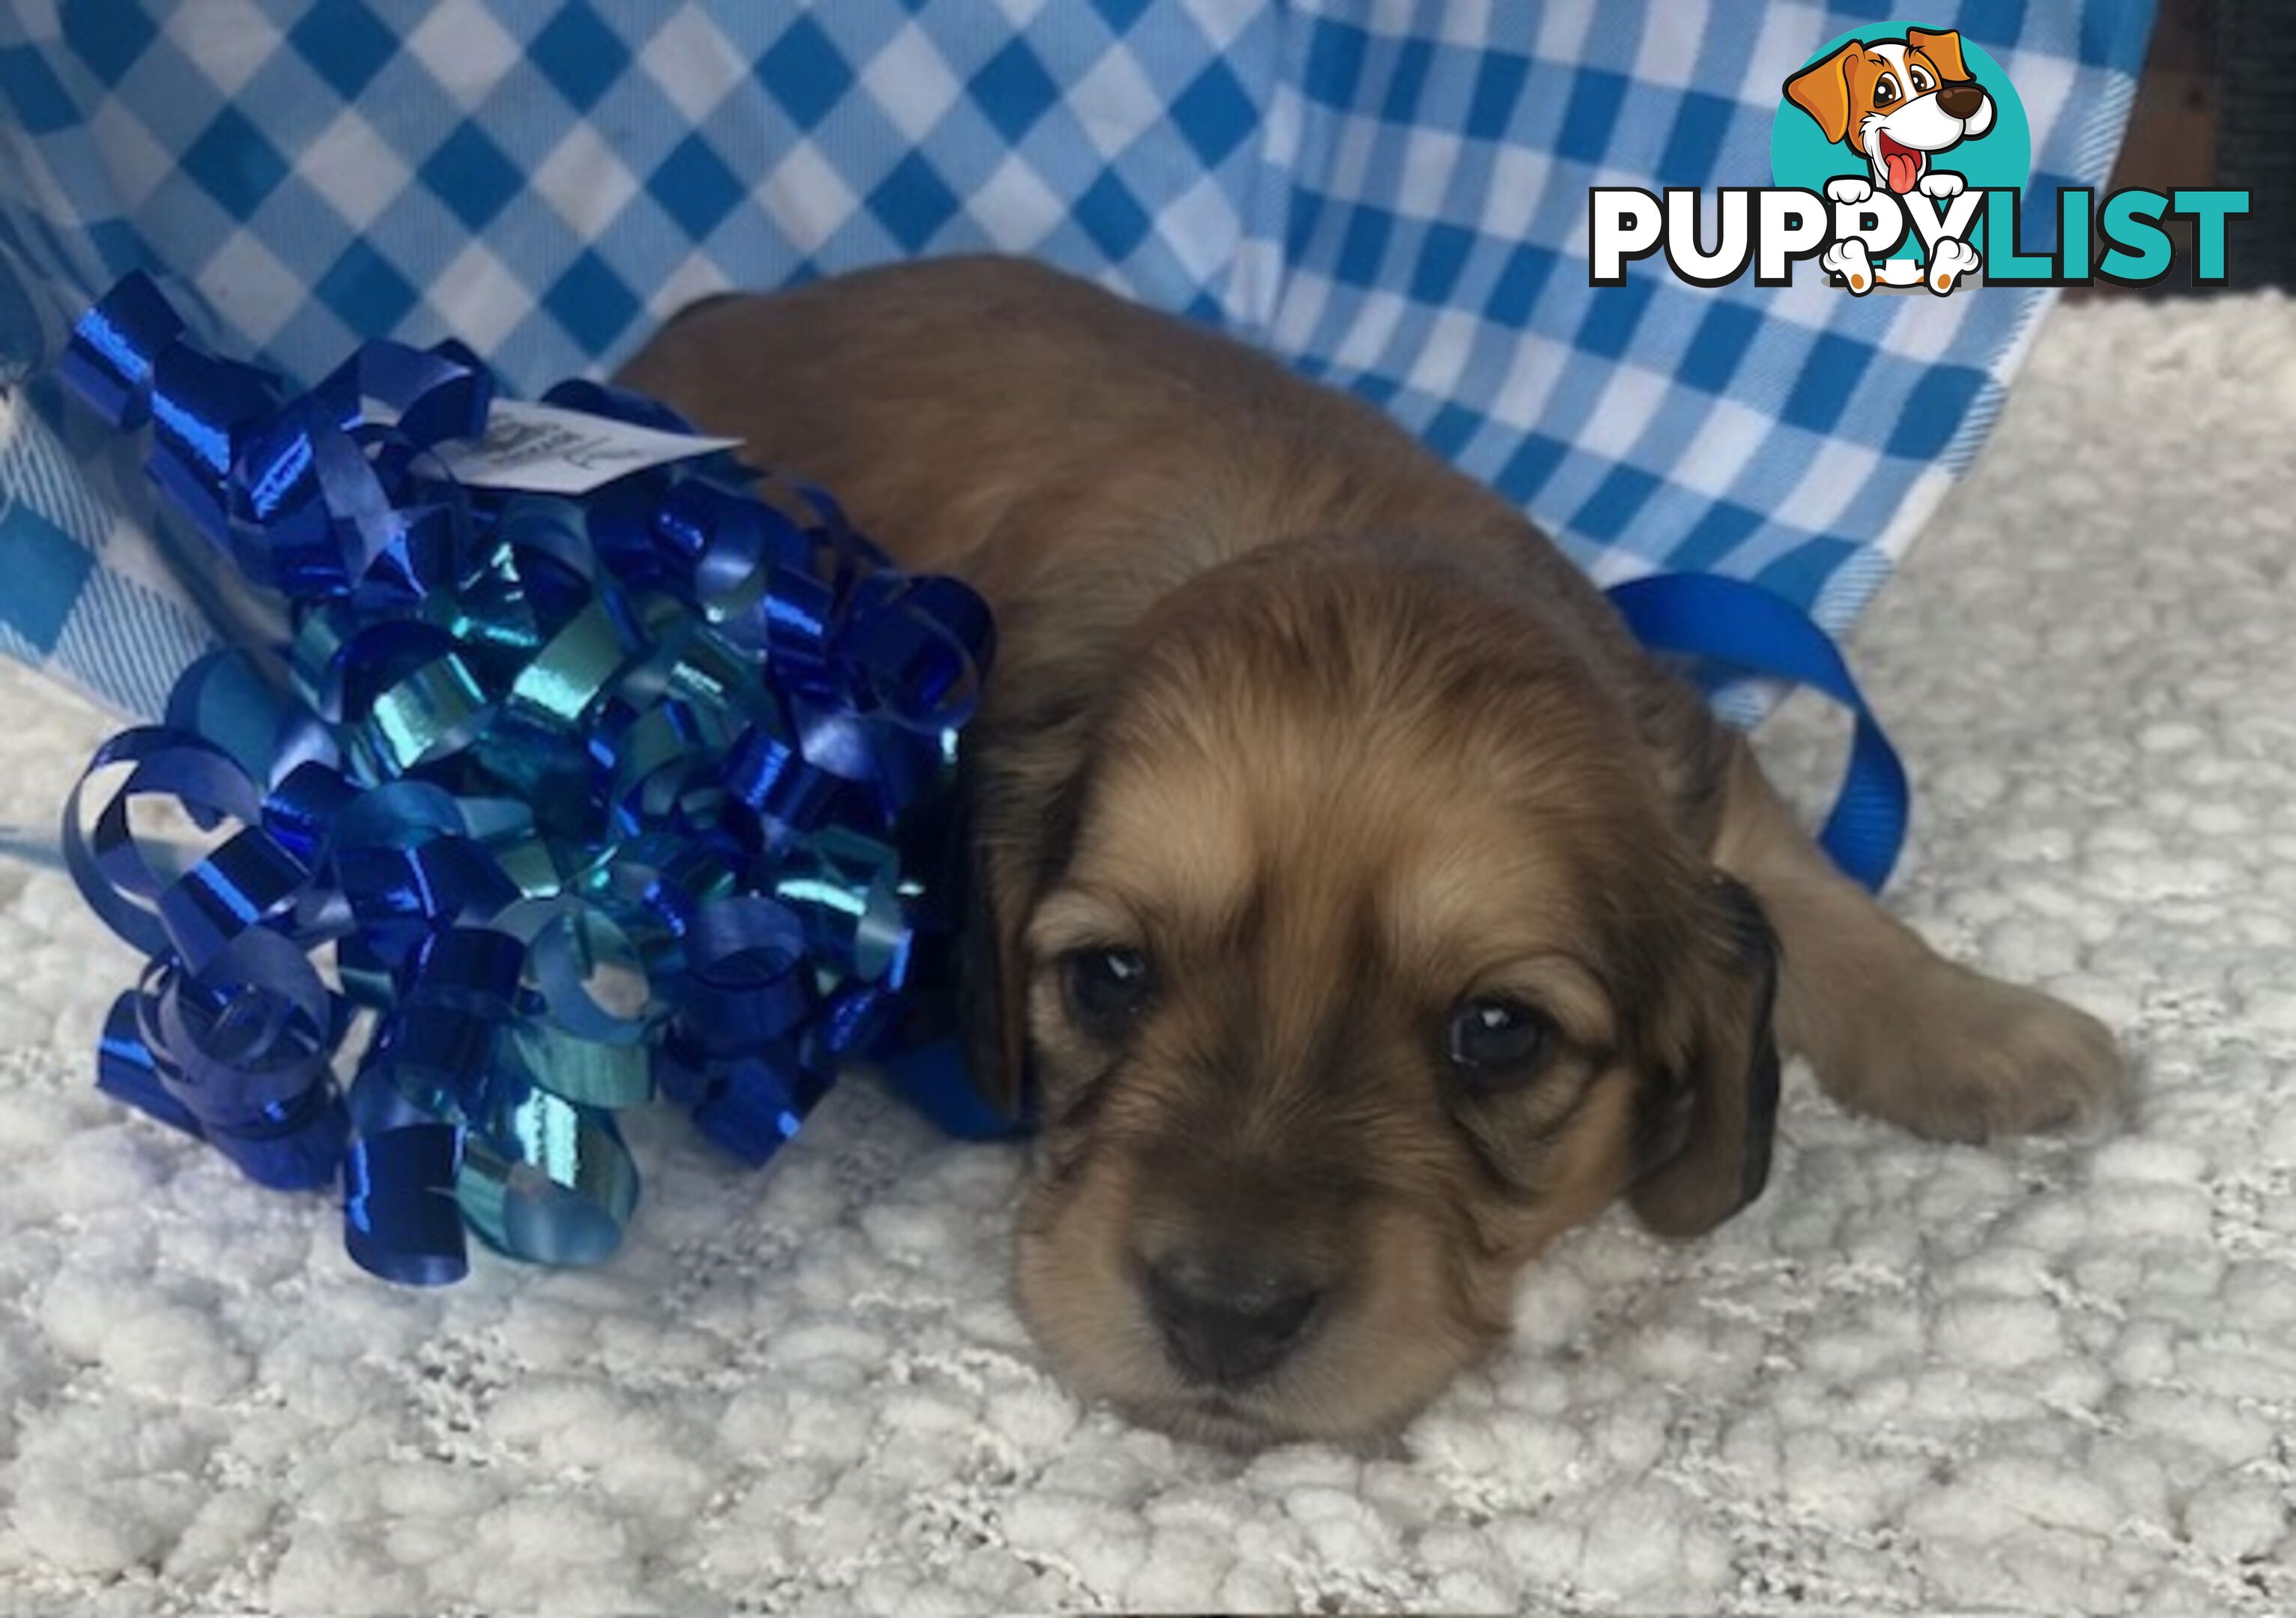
{"x":1895,"y":103}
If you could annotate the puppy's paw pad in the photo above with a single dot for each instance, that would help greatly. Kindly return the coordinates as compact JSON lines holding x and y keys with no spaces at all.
{"x":1848,"y":188}
{"x":1979,"y":1060}
{"x":1941,"y":182}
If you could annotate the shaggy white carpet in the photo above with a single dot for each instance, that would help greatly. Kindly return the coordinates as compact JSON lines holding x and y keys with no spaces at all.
{"x":2049,"y":1376}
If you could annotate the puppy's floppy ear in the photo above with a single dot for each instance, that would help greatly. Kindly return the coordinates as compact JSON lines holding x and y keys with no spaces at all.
{"x":1942,"y":48}
{"x":1822,"y":90}
{"x":1713,"y":1100}
{"x":1061,"y":648}
{"x":1020,"y":790}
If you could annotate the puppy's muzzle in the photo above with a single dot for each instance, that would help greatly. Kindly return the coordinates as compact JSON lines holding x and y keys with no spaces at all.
{"x":1229,"y":1314}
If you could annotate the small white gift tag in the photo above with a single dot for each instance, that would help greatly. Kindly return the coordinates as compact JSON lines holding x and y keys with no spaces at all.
{"x":544,"y":450}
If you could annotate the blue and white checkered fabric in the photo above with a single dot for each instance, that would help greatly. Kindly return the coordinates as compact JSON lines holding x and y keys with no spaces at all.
{"x":1392,"y":194}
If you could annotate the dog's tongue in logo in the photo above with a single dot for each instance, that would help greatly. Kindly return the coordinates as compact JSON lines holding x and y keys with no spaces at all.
{"x":1903,"y":164}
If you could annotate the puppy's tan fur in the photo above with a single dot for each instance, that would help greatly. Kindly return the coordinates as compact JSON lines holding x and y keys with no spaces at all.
{"x":1335,"y":739}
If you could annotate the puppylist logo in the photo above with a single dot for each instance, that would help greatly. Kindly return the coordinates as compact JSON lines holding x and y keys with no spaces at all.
{"x":1880,"y":125}
{"x":1898,"y":154}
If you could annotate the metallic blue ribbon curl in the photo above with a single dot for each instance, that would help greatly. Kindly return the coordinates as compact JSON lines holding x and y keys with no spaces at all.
{"x":581,"y":801}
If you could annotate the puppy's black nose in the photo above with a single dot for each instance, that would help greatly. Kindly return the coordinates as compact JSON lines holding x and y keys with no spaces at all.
{"x":1229,"y":1318}
{"x":1960,"y":101}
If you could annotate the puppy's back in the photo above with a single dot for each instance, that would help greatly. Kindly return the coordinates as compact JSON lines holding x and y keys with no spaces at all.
{"x":978,"y":414}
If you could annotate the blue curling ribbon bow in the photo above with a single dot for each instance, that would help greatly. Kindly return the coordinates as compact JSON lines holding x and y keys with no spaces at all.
{"x":577,"y":803}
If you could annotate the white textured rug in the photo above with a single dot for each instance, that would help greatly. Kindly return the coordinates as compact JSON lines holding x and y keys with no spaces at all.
{"x":2050,"y":1376}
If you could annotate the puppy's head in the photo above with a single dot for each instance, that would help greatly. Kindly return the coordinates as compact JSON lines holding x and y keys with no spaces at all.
{"x":1361,"y":961}
{"x":1894,"y":101}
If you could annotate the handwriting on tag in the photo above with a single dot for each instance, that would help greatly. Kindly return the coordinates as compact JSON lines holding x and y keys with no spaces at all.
{"x":545,"y":450}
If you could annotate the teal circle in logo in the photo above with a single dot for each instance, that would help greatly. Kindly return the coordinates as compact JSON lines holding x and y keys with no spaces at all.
{"x":2001,"y":157}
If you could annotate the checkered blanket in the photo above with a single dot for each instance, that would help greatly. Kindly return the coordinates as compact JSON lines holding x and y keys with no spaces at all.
{"x":1391,"y":195}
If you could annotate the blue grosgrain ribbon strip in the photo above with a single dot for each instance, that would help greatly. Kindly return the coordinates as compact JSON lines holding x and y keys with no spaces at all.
{"x":1734,"y":628}
{"x":583,"y":802}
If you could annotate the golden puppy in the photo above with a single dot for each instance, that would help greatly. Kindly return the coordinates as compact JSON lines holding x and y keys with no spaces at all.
{"x":1364,"y":907}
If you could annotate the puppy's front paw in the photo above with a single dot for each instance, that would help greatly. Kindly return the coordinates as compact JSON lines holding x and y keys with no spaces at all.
{"x":1950,"y":261}
{"x":1848,"y":188}
{"x":1941,"y":184}
{"x":1967,"y":1058}
{"x":1848,"y":258}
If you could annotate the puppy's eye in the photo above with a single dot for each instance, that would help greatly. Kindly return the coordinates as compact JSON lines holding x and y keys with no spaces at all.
{"x":1494,"y":1042}
{"x":1922,"y":82}
{"x":1108,"y":986}
{"x":1885,"y":91}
